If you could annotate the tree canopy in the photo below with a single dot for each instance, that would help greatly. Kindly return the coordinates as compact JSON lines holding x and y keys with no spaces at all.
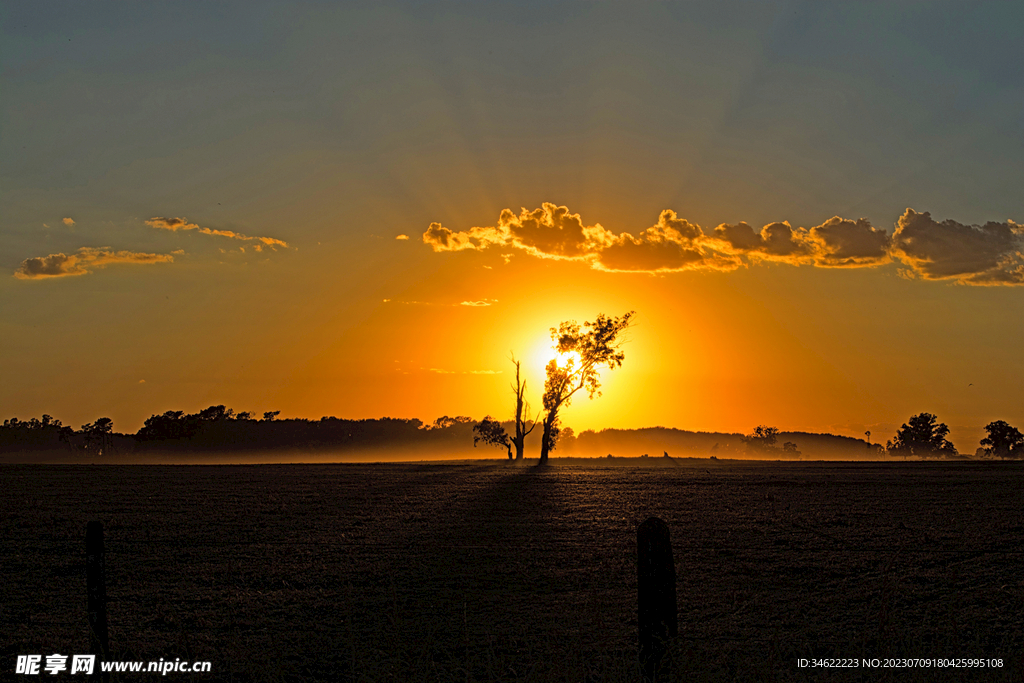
{"x":1003,"y":441}
{"x":923,"y":437}
{"x":584,"y":350}
{"x":762,"y":438}
{"x":492,"y":433}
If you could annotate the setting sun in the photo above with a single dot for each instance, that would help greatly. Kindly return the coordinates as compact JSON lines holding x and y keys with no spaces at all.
{"x":569,"y":360}
{"x":375,"y":332}
{"x":546,"y":352}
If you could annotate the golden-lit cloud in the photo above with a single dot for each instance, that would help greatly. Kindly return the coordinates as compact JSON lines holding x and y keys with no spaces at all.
{"x":81,"y":262}
{"x":401,"y":237}
{"x":472,"y":304}
{"x":176,"y":224}
{"x":673,"y":244}
{"x":991,"y":254}
{"x":776,"y":242}
{"x":68,"y":221}
{"x":440,"y":371}
{"x":842,"y":243}
{"x":548,"y":232}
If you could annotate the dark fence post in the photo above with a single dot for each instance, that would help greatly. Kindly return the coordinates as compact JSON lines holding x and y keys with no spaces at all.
{"x":97,"y":591}
{"x":655,"y":595}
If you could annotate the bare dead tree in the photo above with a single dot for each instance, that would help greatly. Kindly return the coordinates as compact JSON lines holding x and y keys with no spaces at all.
{"x":522,"y":409}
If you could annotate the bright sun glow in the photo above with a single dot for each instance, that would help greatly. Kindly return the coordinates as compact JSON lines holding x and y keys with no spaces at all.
{"x":544,"y":352}
{"x":564,"y":359}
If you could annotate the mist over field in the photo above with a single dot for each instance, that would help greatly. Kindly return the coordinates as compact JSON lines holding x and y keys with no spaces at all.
{"x":640,"y":447}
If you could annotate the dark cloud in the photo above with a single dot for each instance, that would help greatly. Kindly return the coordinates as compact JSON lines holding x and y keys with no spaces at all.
{"x":775,"y":242}
{"x":989,"y":254}
{"x":82,"y":262}
{"x":739,"y":238}
{"x":841,"y":242}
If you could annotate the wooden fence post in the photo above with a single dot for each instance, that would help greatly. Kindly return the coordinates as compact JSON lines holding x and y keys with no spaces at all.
{"x":657,"y":621}
{"x":97,"y":591}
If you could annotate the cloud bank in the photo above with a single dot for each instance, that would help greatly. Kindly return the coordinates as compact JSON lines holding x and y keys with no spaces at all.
{"x":176,"y":224}
{"x":992,"y":254}
{"x":989,"y":254}
{"x":82,"y":262}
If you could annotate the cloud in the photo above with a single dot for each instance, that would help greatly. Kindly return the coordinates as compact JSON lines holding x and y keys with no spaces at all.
{"x":673,"y":244}
{"x":68,"y":221}
{"x":443,"y":239}
{"x":82,"y":262}
{"x":776,"y":242}
{"x":401,"y":237}
{"x":175,"y":224}
{"x":474,"y":304}
{"x":439,"y":371}
{"x":552,"y":232}
{"x":842,"y":243}
{"x":991,"y":254}
{"x":548,"y":232}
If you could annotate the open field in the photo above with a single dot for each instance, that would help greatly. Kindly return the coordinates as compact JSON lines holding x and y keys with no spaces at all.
{"x":487,"y":571}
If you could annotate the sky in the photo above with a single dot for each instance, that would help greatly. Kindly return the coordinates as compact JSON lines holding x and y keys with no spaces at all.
{"x":364,"y":209}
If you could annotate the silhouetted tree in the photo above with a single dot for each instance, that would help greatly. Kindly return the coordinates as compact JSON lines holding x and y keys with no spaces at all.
{"x":922,"y":437}
{"x":270,"y":415}
{"x":214,"y":413}
{"x":493,"y":434}
{"x":98,"y":434}
{"x":34,"y":434}
{"x":171,"y":425}
{"x":444,"y":422}
{"x":551,"y":437}
{"x":762,"y":438}
{"x":1003,"y":441}
{"x":586,"y":349}
{"x":522,"y":408}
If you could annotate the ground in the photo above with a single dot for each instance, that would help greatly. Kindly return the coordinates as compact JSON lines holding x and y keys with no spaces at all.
{"x":492,"y":571}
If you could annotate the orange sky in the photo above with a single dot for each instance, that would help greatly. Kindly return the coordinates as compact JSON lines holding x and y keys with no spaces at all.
{"x":219,"y":224}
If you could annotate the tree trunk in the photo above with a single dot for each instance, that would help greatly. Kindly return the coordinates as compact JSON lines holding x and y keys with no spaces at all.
{"x":519,"y":449}
{"x":544,"y":442}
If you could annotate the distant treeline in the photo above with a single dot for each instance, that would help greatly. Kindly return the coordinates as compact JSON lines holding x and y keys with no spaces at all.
{"x":656,"y":441}
{"x":220,"y":429}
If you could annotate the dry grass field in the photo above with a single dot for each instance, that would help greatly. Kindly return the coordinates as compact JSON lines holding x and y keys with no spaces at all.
{"x":486,"y":571}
